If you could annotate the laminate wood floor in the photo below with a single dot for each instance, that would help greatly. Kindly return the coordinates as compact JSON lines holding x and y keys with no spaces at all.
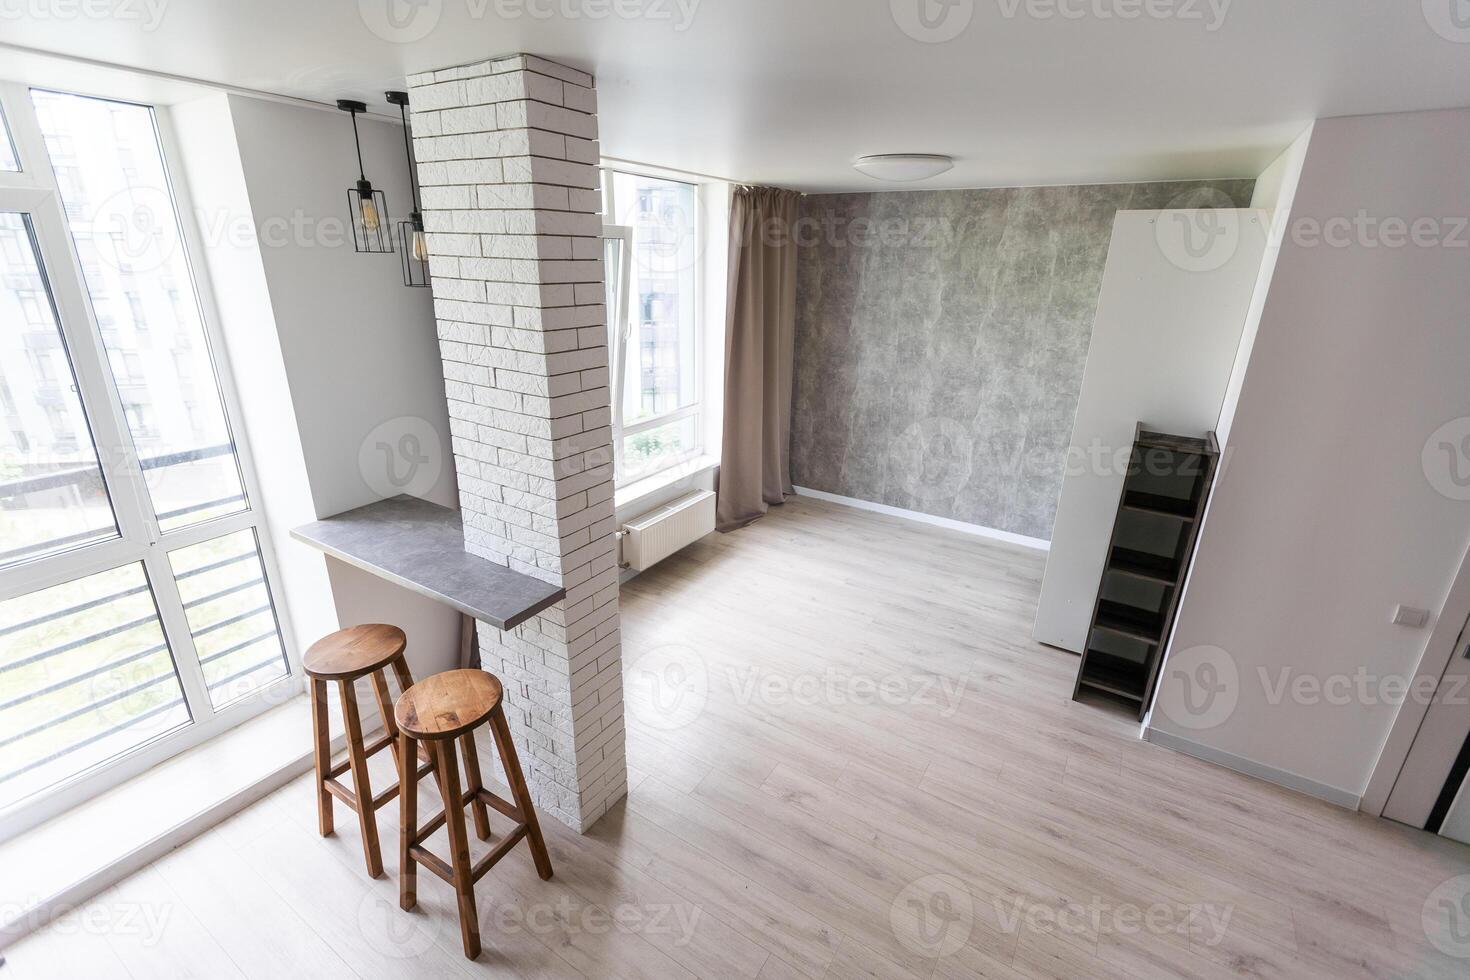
{"x":847,"y":759}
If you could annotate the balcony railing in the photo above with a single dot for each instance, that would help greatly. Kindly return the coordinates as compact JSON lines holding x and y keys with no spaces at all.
{"x":80,"y":474}
{"x":64,"y":688}
{"x":136,"y":686}
{"x":76,"y":476}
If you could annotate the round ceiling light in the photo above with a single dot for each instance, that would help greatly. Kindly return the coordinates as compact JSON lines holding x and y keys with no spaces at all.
{"x":903,"y":166}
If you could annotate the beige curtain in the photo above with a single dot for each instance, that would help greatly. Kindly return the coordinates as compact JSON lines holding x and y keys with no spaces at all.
{"x":760,"y":333}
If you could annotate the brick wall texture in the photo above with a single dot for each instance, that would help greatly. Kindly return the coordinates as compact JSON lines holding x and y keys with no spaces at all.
{"x":507,"y":158}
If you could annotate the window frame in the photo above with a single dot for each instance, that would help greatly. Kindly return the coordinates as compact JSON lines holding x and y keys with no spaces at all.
{"x":7,"y":144}
{"x":617,"y":344}
{"x":34,"y":190}
{"x":697,"y":408}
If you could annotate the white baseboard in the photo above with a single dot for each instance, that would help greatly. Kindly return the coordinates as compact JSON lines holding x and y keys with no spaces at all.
{"x":1257,"y":770}
{"x":979,"y":530}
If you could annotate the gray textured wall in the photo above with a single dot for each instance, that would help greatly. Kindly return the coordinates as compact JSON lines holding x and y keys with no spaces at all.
{"x":941,"y":337}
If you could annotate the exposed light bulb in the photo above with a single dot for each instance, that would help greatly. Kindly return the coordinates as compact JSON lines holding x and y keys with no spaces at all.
{"x":420,"y":246}
{"x":369,"y":213}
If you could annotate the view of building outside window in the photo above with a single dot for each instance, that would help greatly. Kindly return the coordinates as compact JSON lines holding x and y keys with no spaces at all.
{"x":115,"y":192}
{"x":661,"y":369}
{"x":52,"y":496}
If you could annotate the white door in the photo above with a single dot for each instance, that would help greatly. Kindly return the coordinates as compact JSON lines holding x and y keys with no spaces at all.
{"x":1430,"y":791}
{"x":1456,"y":825}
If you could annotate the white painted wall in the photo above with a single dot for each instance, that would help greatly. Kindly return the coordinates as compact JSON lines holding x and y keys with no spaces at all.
{"x":1275,"y":187}
{"x":1325,"y":517}
{"x":1163,"y":343}
{"x":327,"y":344}
{"x":211,"y":166}
{"x":1274,"y":191}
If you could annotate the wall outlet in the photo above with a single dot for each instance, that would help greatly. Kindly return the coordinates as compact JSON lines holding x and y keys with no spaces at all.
{"x":1409,"y":616}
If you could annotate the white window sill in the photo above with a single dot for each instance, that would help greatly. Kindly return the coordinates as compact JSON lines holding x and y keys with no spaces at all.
{"x":632,"y":498}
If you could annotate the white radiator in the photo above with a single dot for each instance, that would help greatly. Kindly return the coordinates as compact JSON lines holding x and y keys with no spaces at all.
{"x":650,"y":538}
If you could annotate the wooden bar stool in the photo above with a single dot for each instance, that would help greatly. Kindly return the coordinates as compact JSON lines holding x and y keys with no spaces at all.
{"x":345,"y":656}
{"x":438,"y":711}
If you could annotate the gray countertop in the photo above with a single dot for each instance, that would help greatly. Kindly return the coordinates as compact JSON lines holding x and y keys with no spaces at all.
{"x":420,"y":546}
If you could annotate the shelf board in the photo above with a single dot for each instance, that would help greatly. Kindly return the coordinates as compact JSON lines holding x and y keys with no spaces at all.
{"x":1143,"y":626}
{"x":1113,"y":681}
{"x":1153,"y":503}
{"x":1172,"y":443}
{"x":1141,"y":565}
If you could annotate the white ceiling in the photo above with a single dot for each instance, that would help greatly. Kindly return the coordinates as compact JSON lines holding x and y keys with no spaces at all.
{"x":788,"y":92}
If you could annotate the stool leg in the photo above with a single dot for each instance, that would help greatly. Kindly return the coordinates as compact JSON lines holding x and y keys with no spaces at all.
{"x":408,"y":824}
{"x":385,"y":708}
{"x":405,"y":678}
{"x":321,"y":734}
{"x":475,"y":783}
{"x":405,"y":681}
{"x":459,"y":845}
{"x":512,"y":767}
{"x":367,"y":818}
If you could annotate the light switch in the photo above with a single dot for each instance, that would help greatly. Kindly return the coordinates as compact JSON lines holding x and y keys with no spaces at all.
{"x":1409,"y":616}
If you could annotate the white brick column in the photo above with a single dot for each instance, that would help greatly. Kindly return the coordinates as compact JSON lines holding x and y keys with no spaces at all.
{"x":507,"y":157}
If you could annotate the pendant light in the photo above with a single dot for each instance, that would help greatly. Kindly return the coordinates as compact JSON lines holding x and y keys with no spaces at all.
{"x":411,"y":232}
{"x":371,"y":230}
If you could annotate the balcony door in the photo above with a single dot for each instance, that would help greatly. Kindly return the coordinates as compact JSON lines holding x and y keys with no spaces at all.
{"x":136,"y":610}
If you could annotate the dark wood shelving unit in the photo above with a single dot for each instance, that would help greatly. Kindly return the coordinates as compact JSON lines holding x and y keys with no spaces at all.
{"x":1154,"y":533}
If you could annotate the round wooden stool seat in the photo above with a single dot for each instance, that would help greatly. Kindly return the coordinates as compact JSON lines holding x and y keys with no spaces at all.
{"x":354,"y":651}
{"x":448,"y":704}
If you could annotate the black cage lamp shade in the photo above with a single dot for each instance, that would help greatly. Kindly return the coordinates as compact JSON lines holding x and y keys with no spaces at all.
{"x":415,"y":245}
{"x":371,"y":227}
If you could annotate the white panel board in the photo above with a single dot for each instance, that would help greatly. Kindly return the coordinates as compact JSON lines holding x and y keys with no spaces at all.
{"x":1174,"y":296}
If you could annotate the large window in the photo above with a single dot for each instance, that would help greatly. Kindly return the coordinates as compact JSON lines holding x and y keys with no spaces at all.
{"x":654,"y":342}
{"x":136,"y":613}
{"x":116,"y":194}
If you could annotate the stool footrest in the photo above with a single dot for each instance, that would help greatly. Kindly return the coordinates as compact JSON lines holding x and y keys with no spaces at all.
{"x":340,"y":792}
{"x":501,"y":850}
{"x":503,"y":806}
{"x":465,"y":799}
{"x":422,"y":855}
{"x":371,"y":749}
{"x":427,"y":830}
{"x":389,"y":794}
